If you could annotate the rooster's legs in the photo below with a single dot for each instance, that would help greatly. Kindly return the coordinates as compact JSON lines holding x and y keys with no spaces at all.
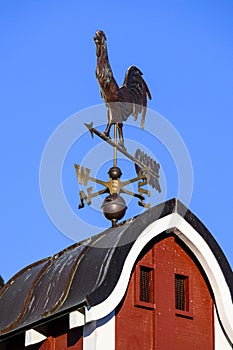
{"x":107,"y":130}
{"x":120,"y":133}
{"x":121,"y":138}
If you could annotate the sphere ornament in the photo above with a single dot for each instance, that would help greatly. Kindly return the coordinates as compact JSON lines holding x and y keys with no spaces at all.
{"x":114,"y":208}
{"x":114,"y":173}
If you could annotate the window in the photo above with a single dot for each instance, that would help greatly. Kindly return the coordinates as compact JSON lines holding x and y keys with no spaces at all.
{"x":181,"y":292}
{"x":183,"y":301}
{"x":145,"y":286}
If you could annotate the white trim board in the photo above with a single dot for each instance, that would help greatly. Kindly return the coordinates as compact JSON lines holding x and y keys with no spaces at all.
{"x":100,"y":335}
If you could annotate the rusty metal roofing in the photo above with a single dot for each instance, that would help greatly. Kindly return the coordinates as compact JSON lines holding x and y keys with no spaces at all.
{"x":84,"y":273}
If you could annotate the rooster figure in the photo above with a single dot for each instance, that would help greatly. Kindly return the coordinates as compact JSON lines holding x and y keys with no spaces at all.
{"x":121,"y":102}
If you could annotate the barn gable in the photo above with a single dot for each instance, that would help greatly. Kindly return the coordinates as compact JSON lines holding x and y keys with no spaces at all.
{"x":168,"y":303}
{"x":88,"y":281}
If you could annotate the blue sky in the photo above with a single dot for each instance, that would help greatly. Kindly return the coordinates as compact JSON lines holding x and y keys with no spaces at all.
{"x":185,"y":50}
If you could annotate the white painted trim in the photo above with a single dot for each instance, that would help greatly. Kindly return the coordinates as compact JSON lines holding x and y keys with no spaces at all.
{"x":100,"y":335}
{"x":200,"y":249}
{"x":220,"y":341}
{"x":33,"y":337}
{"x":76,"y":319}
{"x":89,"y":336}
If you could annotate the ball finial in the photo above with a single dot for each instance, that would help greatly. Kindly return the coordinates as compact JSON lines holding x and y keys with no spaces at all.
{"x":114,"y":208}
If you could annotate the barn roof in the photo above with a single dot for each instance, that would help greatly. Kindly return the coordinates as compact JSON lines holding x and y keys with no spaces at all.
{"x":86,"y":273}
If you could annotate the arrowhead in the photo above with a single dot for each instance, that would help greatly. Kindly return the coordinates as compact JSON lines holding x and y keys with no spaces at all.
{"x":90,"y":128}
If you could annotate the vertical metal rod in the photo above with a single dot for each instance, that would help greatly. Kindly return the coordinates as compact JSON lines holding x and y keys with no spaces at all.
{"x":115,"y":149}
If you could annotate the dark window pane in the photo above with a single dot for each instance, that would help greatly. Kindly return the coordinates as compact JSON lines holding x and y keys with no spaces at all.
{"x":181,"y":292}
{"x":145,"y":284}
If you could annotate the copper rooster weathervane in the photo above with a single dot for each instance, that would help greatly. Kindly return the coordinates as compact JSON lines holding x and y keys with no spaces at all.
{"x":131,"y":96}
{"x":121,"y":102}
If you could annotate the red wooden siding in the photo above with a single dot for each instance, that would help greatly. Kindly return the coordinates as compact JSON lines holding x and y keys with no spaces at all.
{"x":135,"y":325}
{"x":163,"y":327}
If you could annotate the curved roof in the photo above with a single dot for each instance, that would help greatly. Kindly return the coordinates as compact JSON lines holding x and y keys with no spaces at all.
{"x":86,"y":273}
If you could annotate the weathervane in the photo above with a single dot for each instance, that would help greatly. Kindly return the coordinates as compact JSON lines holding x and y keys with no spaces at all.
{"x":121,"y":102}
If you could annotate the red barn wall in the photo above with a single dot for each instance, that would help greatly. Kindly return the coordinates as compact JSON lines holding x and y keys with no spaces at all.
{"x":134,"y":325}
{"x":160,"y":326}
